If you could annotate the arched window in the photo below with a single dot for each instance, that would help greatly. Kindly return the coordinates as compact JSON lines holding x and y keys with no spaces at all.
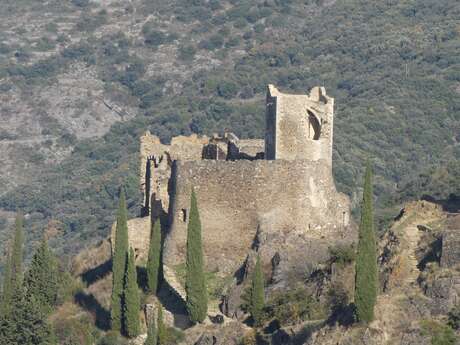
{"x":314,"y":126}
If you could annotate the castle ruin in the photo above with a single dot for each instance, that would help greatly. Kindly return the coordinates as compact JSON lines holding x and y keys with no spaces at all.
{"x":282,"y":184}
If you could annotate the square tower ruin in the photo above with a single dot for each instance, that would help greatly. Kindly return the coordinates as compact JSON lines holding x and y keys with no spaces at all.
{"x":299,"y":127}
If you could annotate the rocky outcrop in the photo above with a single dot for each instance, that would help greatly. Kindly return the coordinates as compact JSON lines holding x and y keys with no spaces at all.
{"x":415,"y":285}
{"x":450,"y":248}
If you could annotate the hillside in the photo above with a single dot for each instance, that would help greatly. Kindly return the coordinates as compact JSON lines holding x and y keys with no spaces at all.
{"x":419,"y":276}
{"x":81,"y":80}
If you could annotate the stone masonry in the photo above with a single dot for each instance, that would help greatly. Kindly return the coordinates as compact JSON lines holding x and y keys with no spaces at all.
{"x":282,"y":184}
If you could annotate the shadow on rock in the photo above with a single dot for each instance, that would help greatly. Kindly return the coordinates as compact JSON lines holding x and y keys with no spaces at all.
{"x":92,"y":305}
{"x":93,"y":275}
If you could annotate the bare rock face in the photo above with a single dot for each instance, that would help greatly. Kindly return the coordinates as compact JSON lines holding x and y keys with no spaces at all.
{"x":450,"y":248}
{"x":229,"y":333}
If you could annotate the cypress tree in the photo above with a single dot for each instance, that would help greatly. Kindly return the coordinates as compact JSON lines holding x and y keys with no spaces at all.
{"x":161,"y":329}
{"x":366,"y":262}
{"x":120,"y":253}
{"x":195,"y":284}
{"x":41,"y":279}
{"x":17,"y":253}
{"x":152,"y":336}
{"x":131,"y":299}
{"x":154,"y":259}
{"x":7,"y":290}
{"x":257,"y":293}
{"x":12,"y":279}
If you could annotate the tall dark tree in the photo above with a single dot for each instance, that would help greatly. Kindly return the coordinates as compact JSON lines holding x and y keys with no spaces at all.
{"x":17,"y":253}
{"x":366,"y":261}
{"x":42,"y":278}
{"x":161,"y":328}
{"x":257,"y":293}
{"x":12,"y":279}
{"x":154,"y":259}
{"x":119,"y":260}
{"x":7,"y":290}
{"x":195,"y":284}
{"x":131,"y":299}
{"x":27,"y":324}
{"x":152,"y":334}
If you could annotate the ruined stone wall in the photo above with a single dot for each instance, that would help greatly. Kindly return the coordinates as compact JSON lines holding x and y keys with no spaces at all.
{"x":156,"y":160}
{"x":299,"y":126}
{"x":235,"y":198}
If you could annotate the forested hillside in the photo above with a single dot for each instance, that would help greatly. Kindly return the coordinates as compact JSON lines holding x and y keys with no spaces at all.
{"x":81,"y":80}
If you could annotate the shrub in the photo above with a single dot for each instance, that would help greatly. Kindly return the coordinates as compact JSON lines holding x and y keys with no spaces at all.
{"x":454,"y":317}
{"x":214,"y":42}
{"x":80,"y":3}
{"x":112,"y":338}
{"x":440,"y":334}
{"x":293,"y":306}
{"x":227,"y":89}
{"x":174,"y":336}
{"x":342,"y":255}
{"x":187,"y":52}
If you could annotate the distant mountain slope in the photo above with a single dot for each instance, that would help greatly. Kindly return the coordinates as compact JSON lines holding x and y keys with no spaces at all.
{"x":80,"y":81}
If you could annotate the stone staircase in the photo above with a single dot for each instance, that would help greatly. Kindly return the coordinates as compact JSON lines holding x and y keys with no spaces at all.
{"x":412,"y":236}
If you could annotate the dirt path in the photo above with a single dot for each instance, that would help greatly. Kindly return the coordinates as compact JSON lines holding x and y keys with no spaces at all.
{"x":391,"y":307}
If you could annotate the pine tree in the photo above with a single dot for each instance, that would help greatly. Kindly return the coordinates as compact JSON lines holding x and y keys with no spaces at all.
{"x":17,"y":253}
{"x":41,"y":279}
{"x":161,"y":328}
{"x":152,"y":335}
{"x":195,"y":284}
{"x":154,"y":259}
{"x":131,"y":299}
{"x":366,"y":261}
{"x":27,"y":324}
{"x":119,"y":263}
{"x":257,"y":293}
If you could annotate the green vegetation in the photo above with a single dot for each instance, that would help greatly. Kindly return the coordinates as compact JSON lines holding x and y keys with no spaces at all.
{"x":257,"y":293}
{"x":195,"y":282}
{"x":12,"y":280}
{"x":161,"y":328}
{"x":152,"y":336}
{"x":293,"y":306}
{"x":131,"y":300}
{"x":119,"y":261}
{"x":7,"y":290}
{"x":342,"y":255}
{"x":454,"y":317}
{"x":25,"y":308}
{"x":27,"y":323}
{"x":215,"y":284}
{"x":386,"y":93}
{"x":42,"y":279}
{"x":17,"y":253}
{"x":154,"y":258}
{"x":366,"y":262}
{"x":440,"y":334}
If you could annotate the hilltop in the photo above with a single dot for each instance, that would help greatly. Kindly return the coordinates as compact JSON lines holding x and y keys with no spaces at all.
{"x":81,"y":80}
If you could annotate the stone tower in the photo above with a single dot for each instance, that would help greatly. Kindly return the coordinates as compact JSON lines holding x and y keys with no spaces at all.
{"x":299,"y":127}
